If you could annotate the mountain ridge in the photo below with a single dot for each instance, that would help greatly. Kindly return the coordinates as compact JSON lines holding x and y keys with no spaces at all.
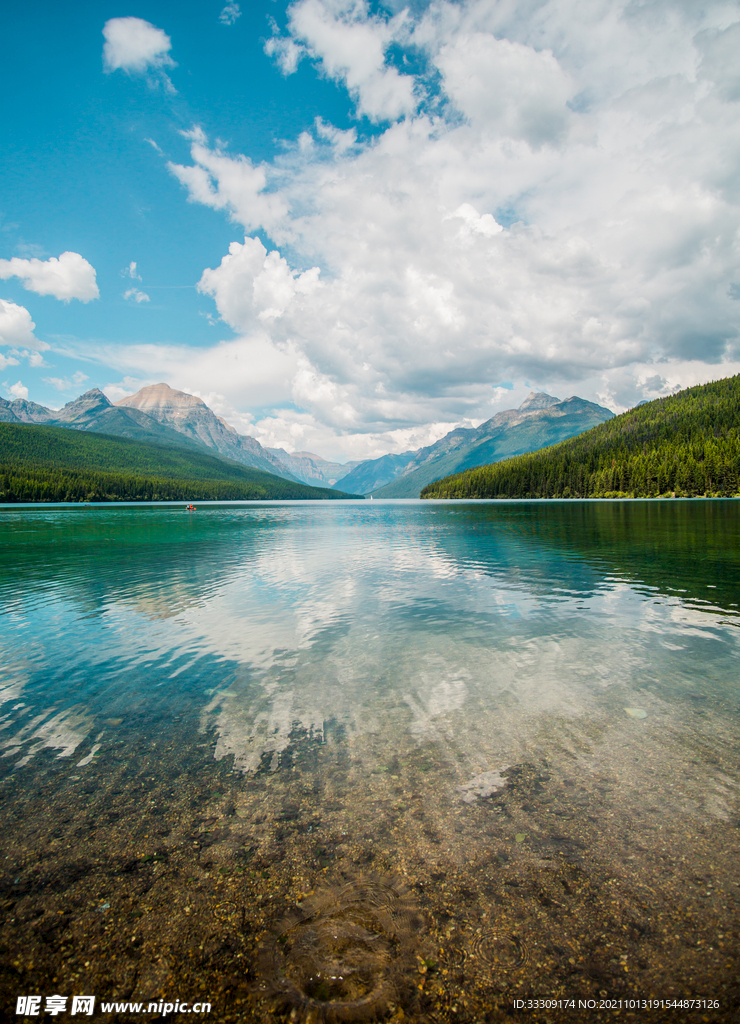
{"x":540,"y":420}
{"x":309,"y":467}
{"x":93,"y":412}
{"x":51,"y":463}
{"x":160,"y":414}
{"x":151,"y":416}
{"x":190,"y":416}
{"x":683,"y":445}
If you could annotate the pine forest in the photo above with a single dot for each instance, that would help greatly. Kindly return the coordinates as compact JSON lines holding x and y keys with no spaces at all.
{"x":686,"y":445}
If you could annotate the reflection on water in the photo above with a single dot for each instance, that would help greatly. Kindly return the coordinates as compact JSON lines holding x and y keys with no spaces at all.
{"x":526,"y":713}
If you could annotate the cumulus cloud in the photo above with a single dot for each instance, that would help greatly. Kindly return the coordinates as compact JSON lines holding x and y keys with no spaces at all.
{"x":254,"y":374}
{"x":248,"y":373}
{"x":229,"y":14}
{"x":134,"y":295}
{"x":231,"y":183}
{"x":509,"y":89}
{"x":17,"y":390}
{"x":555,"y":200}
{"x":131,"y":271}
{"x":137,"y":46}
{"x":719,"y":62}
{"x":17,"y":327}
{"x":350,"y":45}
{"x":252,"y":285}
{"x":69,"y":277}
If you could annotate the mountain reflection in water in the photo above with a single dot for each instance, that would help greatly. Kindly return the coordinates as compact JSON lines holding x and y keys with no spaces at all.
{"x":520,"y":715}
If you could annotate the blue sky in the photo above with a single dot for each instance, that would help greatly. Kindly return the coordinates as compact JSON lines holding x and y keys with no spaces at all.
{"x":79,"y":175}
{"x":349,"y":228}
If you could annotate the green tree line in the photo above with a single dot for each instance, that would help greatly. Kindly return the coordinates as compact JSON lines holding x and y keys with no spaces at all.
{"x":40,"y":463}
{"x":73,"y":485}
{"x":686,"y":445}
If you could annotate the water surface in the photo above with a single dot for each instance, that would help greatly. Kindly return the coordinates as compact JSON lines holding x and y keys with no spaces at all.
{"x":513,"y":725}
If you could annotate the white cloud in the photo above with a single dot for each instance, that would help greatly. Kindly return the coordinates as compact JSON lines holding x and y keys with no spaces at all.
{"x":573,"y":218}
{"x":719,"y":63}
{"x":16,"y":331}
{"x":229,"y":14}
{"x":69,"y":277}
{"x":135,"y":295}
{"x":17,"y":390}
{"x":555,"y":200}
{"x":131,"y":271}
{"x":285,"y":52}
{"x":351,"y":45}
{"x":229,"y":183}
{"x":125,"y":388}
{"x":135,"y":45}
{"x":249,"y":373}
{"x":252,"y":285}
{"x":17,"y":327}
{"x":65,"y":383}
{"x":508,"y":89}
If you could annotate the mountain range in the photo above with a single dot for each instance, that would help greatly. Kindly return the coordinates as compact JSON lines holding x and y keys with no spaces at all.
{"x":541,"y":420}
{"x":159,"y":414}
{"x":42,"y":463}
{"x":685,"y":445}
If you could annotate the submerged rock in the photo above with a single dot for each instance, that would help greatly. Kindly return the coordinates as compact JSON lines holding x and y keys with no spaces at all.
{"x":346,"y":953}
{"x":636,"y":712}
{"x":483,"y":785}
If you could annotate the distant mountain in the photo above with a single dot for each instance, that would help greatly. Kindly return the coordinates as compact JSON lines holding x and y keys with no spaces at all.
{"x":43,"y":463}
{"x":367,"y":477}
{"x":686,"y":445}
{"x":157,"y":415}
{"x":540,"y":420}
{"x":22,"y":411}
{"x":93,"y":412}
{"x":312,"y":469}
{"x":191,"y":417}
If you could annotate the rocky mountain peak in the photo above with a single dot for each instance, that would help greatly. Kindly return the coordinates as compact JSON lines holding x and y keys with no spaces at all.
{"x":191,"y":416}
{"x":536,"y":400}
{"x":30,"y":412}
{"x":159,"y":399}
{"x":91,"y":402}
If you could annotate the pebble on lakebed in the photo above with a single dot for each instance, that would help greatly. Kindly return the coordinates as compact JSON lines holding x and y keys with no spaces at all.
{"x":636,"y":712}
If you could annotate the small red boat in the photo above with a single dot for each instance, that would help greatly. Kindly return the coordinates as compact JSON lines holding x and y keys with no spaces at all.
{"x":190,"y":508}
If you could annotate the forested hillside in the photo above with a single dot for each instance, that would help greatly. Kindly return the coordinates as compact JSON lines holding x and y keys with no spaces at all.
{"x":39,"y":463}
{"x":512,"y":432}
{"x":687,"y":445}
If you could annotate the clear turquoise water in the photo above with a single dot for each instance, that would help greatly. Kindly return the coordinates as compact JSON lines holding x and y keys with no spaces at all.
{"x":597,"y":641}
{"x":264,"y":616}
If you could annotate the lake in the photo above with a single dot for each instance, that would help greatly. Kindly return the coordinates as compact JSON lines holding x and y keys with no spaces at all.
{"x":393,"y":760}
